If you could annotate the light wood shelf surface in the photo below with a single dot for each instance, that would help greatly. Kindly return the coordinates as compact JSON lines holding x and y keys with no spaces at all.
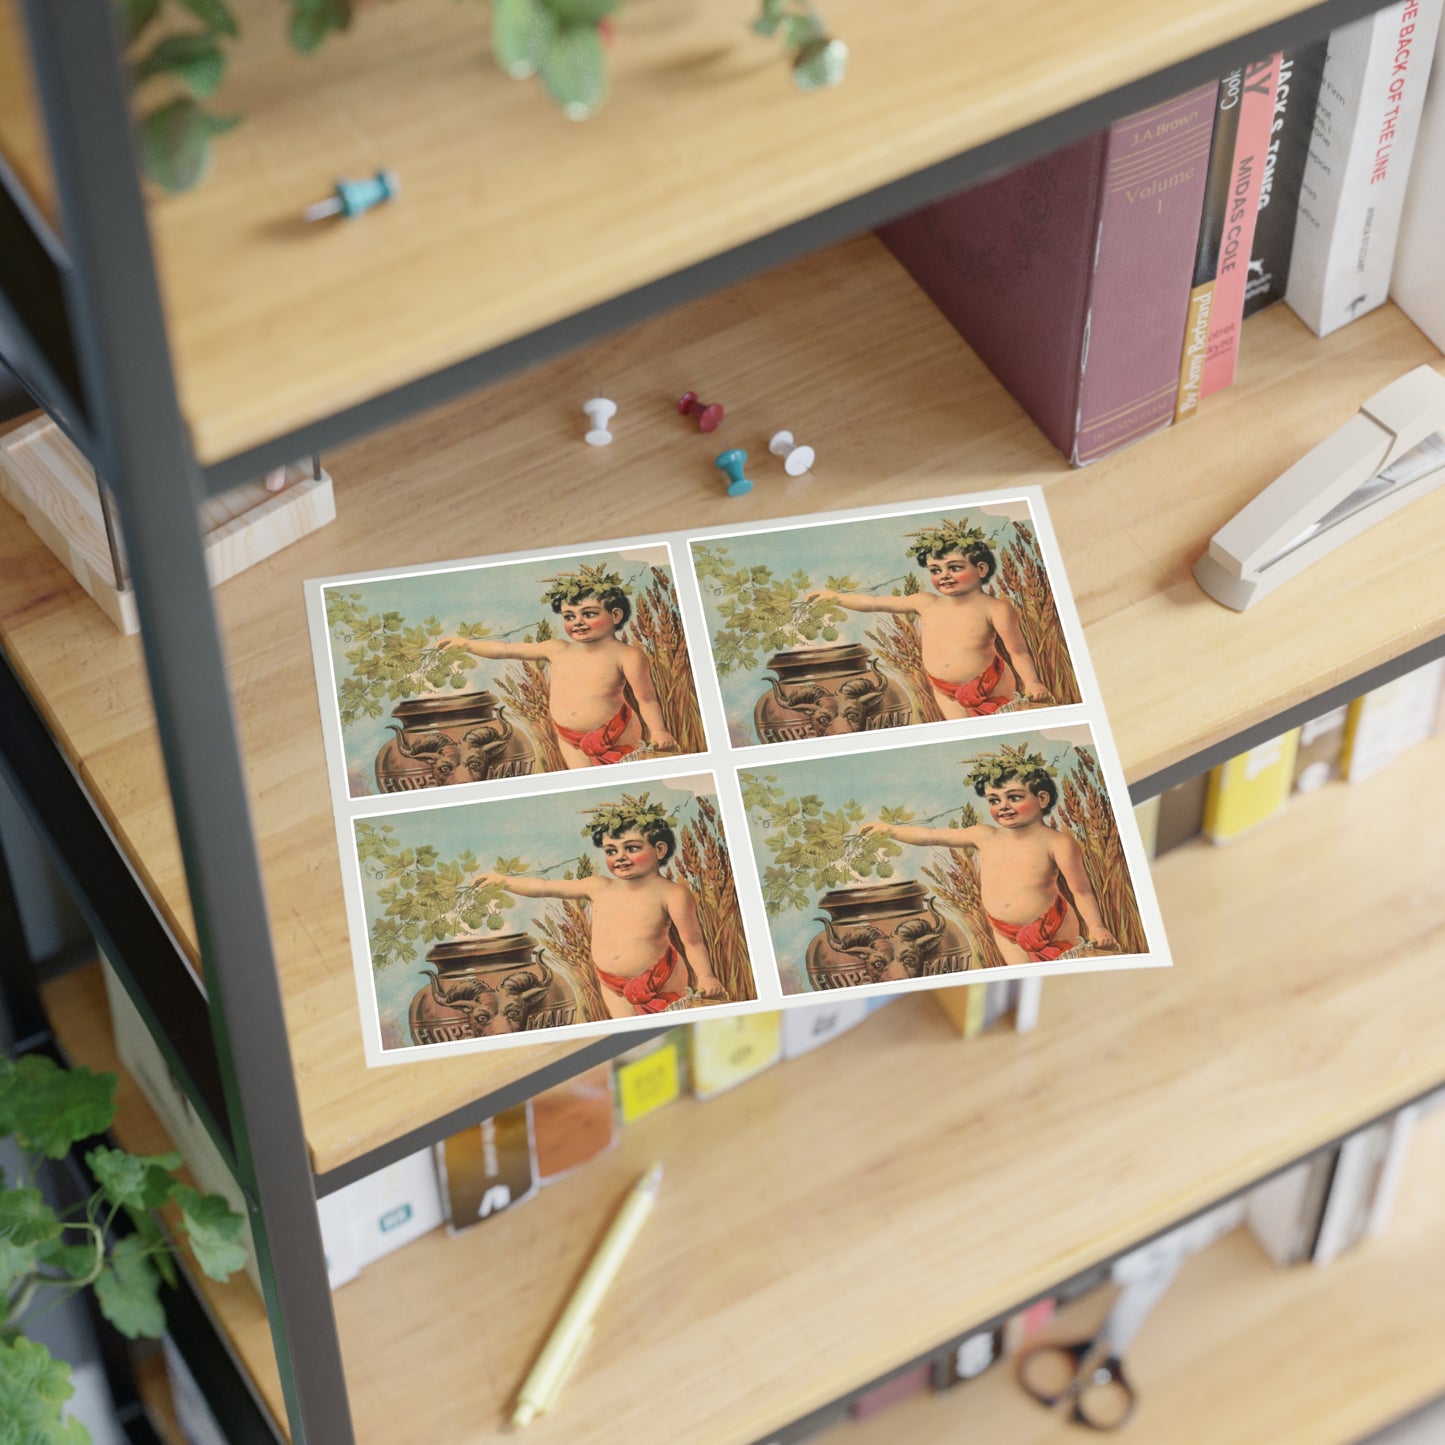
{"x":512,"y":217}
{"x":1241,"y":1350}
{"x":849,"y":1211}
{"x":899,"y":409}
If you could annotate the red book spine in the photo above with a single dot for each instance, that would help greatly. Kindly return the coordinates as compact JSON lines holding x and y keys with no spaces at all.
{"x":1070,"y":275}
{"x":1251,"y":147}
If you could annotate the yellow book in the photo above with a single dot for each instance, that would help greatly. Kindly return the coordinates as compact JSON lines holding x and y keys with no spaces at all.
{"x":964,"y":1007}
{"x":727,"y":1051}
{"x":650,"y":1076}
{"x":1250,"y":788}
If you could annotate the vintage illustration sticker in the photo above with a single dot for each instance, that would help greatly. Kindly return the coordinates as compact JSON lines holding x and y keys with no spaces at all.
{"x":499,"y":917}
{"x":476,"y":673}
{"x":946,"y":857}
{"x":595,"y":791}
{"x":850,"y":627}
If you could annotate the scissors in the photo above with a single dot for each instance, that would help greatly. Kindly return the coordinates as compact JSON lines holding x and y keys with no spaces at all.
{"x":1088,"y":1374}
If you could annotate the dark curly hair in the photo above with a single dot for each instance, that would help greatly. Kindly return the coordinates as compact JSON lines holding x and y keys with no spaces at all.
{"x":654,"y":830}
{"x":979,"y":553}
{"x":612,"y":599}
{"x":1036,"y":781}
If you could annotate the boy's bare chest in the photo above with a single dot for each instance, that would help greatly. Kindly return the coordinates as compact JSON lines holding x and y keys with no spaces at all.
{"x":638,"y":907}
{"x":582,"y":666}
{"x":965,"y":623}
{"x":1027,"y":858}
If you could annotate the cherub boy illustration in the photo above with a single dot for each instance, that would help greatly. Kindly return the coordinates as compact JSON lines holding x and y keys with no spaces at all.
{"x":973,"y":647}
{"x":589,"y":668}
{"x":645,"y":931}
{"x":1021,"y":860}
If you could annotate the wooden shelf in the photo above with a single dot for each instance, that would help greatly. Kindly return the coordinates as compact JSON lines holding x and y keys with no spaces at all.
{"x":899,"y":408}
{"x":512,"y":217}
{"x":849,"y":1211}
{"x":1242,"y":1350}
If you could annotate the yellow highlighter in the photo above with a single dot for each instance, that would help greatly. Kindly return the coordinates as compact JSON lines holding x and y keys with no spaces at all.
{"x":544,"y":1383}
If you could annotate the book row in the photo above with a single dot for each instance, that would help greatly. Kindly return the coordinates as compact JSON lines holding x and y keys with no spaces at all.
{"x":1353,"y":743}
{"x":1106,"y":284}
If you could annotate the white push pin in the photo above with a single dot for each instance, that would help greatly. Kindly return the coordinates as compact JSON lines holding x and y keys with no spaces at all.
{"x":599,"y":411}
{"x":796,"y":459}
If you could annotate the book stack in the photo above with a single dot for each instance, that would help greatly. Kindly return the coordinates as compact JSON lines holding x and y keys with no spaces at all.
{"x":1106,"y":285}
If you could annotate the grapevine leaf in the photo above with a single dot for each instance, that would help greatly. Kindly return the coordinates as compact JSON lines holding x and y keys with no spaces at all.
{"x":33,"y":1389}
{"x":128,"y":1290}
{"x":48,"y":1108}
{"x":214,"y":1229}
{"x":25,"y":1217}
{"x":131,"y":1180}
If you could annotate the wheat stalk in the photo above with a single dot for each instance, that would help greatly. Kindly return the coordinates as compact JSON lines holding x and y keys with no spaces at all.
{"x":1021,"y":574}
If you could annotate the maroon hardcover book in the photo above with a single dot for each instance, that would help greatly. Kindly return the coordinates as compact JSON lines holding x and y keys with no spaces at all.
{"x":1070,"y":275}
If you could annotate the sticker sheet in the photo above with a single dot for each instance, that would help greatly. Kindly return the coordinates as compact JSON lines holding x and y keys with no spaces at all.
{"x":589,"y":790}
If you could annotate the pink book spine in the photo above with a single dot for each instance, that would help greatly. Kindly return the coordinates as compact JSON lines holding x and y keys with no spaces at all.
{"x":1144,"y":244}
{"x":1256,"y":113}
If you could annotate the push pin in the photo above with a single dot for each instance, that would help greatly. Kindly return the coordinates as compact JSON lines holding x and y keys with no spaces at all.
{"x":731,"y":461}
{"x":354,"y":198}
{"x":709,"y":416}
{"x":796,"y":459}
{"x":599,"y":411}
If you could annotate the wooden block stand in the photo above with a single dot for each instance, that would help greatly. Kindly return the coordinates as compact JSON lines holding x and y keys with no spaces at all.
{"x":47,"y":480}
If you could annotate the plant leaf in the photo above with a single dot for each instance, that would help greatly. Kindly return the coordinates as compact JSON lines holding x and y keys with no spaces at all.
{"x":48,"y":1108}
{"x":213,"y":14}
{"x":313,"y":20}
{"x":132,"y":1180}
{"x":582,"y":12}
{"x":214,"y":1229}
{"x":129,"y":1291}
{"x":522,"y":30}
{"x":175,"y":143}
{"x":75,"y":1261}
{"x":33,"y":1389}
{"x":574,"y":70}
{"x":820,"y":63}
{"x":25,"y":1218}
{"x":135,"y":15}
{"x":15,"y":1262}
{"x":195,"y":60}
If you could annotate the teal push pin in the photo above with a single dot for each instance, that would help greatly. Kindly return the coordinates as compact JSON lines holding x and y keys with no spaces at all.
{"x":731,"y":461}
{"x":355,"y":198}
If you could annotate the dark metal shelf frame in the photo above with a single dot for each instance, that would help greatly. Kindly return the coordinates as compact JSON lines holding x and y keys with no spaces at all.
{"x":82,"y":327}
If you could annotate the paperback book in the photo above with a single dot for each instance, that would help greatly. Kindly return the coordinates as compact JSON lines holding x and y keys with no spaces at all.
{"x":707,"y":774}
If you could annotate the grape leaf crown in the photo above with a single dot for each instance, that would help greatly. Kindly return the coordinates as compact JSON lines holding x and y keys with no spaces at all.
{"x":634,"y":814}
{"x":947,"y":536}
{"x":992,"y":769}
{"x":570,"y":587}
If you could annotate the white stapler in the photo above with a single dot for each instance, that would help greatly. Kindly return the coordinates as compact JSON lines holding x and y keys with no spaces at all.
{"x":1386,"y":455}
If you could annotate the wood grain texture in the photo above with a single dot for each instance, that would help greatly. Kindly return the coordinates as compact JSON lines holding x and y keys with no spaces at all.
{"x":511,"y":217}
{"x":850,"y":1210}
{"x":23,"y":141}
{"x":899,"y":409}
{"x":1241,"y":1350}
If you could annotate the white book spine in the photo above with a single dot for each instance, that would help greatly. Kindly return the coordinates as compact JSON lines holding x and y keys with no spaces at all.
{"x":1026,"y":1010}
{"x":1387,"y":1187}
{"x":1418,"y":282}
{"x":1355,"y":177}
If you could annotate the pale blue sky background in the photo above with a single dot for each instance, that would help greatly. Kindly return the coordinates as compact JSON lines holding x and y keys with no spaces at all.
{"x":540,"y":830}
{"x":506,"y":597}
{"x":928,"y":778}
{"x":871,"y":552}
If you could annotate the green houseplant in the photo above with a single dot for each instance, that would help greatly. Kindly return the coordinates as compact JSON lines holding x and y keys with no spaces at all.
{"x":46,"y":1256}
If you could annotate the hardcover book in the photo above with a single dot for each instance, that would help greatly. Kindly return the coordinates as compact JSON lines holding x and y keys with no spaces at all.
{"x":1354,"y":183}
{"x":1415,"y":284}
{"x":1070,"y":275}
{"x":715,"y":774}
{"x":1291,"y":127}
{"x":1219,"y":178}
{"x":1250,"y":788}
{"x":1257,"y":86}
{"x":725,"y":1052}
{"x":488,"y":1168}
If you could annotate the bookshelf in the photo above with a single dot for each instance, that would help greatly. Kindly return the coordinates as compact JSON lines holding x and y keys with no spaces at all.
{"x":1148,"y":625}
{"x":324,"y":335}
{"x":1240,"y":1349}
{"x":919,"y":1184}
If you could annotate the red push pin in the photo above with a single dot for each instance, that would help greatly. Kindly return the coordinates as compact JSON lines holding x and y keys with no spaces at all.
{"x":709,"y":417}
